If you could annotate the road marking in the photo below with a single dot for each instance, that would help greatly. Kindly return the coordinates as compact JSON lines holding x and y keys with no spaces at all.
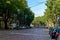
{"x":30,"y":34}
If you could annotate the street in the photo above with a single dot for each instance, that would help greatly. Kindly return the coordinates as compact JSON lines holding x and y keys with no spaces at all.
{"x":25,"y":34}
{"x":29,"y":19}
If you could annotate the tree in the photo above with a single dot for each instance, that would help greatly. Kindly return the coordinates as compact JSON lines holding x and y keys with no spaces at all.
{"x":51,"y":13}
{"x":52,"y":10}
{"x":9,"y":8}
{"x":25,"y":17}
{"x":40,"y":20}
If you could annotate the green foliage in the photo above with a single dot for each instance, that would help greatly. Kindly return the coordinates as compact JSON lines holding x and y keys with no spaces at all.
{"x":26,"y":16}
{"x":53,"y":10}
{"x":9,"y":7}
{"x":51,"y":13}
{"x":39,"y":20}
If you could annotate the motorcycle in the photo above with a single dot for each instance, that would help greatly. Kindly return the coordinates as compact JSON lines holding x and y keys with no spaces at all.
{"x":54,"y":35}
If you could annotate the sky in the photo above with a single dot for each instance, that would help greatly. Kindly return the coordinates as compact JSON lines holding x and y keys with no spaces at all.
{"x":37,"y":6}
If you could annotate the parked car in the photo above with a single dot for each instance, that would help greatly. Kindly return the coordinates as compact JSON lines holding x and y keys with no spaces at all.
{"x":23,"y":27}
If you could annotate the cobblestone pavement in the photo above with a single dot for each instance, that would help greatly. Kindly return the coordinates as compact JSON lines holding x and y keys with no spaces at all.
{"x":25,"y":34}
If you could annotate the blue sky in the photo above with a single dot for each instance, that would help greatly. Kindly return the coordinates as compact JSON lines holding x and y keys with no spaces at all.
{"x":37,"y":7}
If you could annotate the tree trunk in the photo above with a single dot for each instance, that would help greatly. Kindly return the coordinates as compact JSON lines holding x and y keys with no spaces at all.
{"x":5,"y":21}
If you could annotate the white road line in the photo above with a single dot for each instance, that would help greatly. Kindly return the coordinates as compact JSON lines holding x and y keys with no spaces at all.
{"x":29,"y":34}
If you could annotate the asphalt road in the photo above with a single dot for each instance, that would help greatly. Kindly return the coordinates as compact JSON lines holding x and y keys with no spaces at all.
{"x":26,"y":34}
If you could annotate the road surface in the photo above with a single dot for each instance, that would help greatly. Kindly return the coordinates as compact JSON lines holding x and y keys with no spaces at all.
{"x":25,"y":34}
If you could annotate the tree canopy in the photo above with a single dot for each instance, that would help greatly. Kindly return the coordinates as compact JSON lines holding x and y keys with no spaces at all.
{"x":10,"y":7}
{"x":51,"y":13}
{"x":25,"y":17}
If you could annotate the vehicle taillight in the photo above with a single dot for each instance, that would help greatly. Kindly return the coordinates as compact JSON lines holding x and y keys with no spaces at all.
{"x":57,"y":34}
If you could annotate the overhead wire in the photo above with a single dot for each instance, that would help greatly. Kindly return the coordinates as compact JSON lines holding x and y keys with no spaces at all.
{"x":37,"y":4}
